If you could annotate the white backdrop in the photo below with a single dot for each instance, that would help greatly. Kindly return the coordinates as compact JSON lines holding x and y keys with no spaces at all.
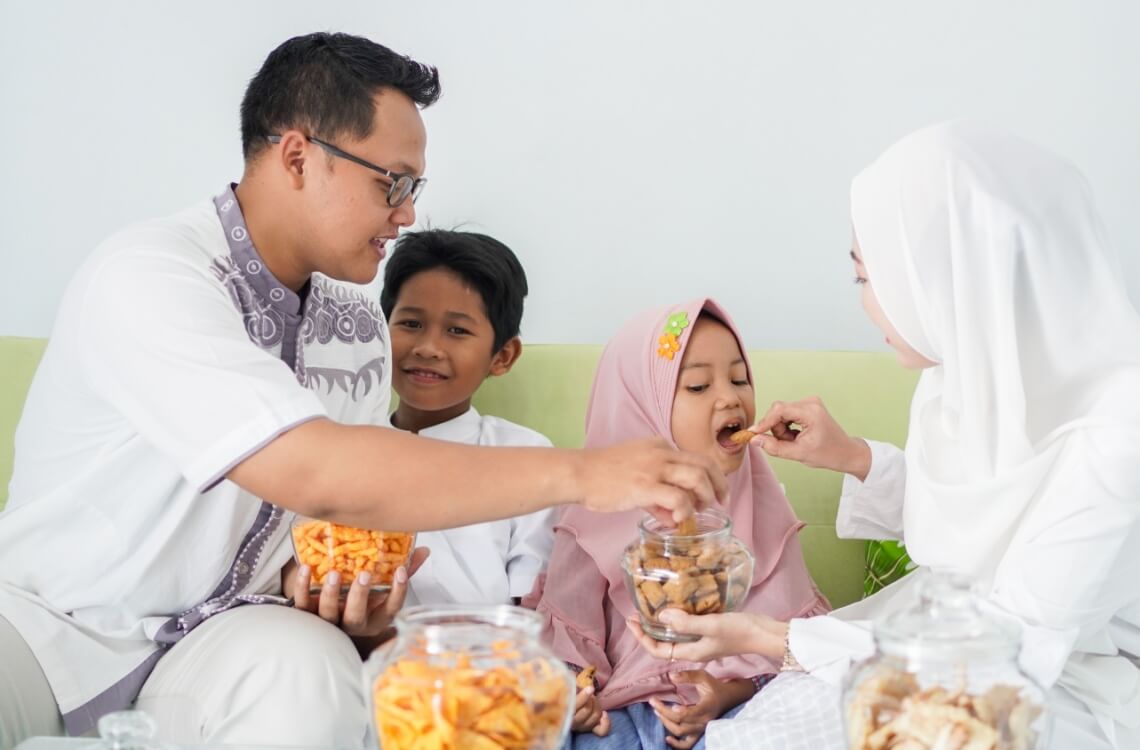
{"x":632,"y":153}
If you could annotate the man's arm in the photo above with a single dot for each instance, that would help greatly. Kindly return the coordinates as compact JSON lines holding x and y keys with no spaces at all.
{"x":378,"y":478}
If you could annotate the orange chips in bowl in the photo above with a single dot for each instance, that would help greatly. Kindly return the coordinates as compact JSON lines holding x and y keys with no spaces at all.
{"x":326,"y":546}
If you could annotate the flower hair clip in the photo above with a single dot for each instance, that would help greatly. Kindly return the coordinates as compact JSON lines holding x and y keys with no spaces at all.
{"x":669,"y":343}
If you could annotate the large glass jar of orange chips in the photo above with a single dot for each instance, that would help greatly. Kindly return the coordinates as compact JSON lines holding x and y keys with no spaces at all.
{"x":468,"y":678}
{"x":326,"y":547}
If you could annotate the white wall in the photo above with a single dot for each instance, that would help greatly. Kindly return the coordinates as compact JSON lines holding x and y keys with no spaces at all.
{"x":632,"y":153}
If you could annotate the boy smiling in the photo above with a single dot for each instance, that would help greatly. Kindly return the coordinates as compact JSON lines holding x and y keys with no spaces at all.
{"x":454,"y":301}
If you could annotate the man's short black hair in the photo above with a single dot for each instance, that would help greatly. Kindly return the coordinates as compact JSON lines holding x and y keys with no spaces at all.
{"x":323,"y":84}
{"x":485,"y":264}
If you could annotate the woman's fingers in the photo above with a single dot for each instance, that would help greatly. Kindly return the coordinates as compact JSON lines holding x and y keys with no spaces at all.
{"x":683,"y":622}
{"x":655,"y":648}
{"x":781,"y":414}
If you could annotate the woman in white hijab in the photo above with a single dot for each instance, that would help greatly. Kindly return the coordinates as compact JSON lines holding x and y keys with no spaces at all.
{"x":984,"y":262}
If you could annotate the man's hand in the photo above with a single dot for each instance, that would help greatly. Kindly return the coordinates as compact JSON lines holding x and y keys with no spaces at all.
{"x":588,"y":714}
{"x":686,"y":724}
{"x":362,"y":614}
{"x":805,"y":431}
{"x":649,"y":474}
{"x":322,"y":469}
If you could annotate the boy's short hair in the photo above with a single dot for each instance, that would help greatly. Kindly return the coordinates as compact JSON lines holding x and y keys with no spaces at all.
{"x":484,"y":263}
{"x":324,"y":84}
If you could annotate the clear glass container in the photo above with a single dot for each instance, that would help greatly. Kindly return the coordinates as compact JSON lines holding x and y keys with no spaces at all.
{"x":705,"y":572}
{"x":462,"y":677}
{"x":128,"y":730}
{"x":326,"y":546}
{"x":944,"y":675}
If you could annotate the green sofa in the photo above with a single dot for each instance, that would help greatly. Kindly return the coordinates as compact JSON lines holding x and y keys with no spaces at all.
{"x":547,"y":390}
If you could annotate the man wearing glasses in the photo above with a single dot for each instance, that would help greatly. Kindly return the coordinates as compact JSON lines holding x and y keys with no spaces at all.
{"x":210,"y":375}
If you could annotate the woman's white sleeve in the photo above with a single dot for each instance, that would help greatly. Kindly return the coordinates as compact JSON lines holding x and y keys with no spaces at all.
{"x":873,"y":508}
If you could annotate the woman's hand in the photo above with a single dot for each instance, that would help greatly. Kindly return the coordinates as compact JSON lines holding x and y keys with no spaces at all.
{"x":686,"y":724}
{"x":362,"y":614}
{"x":804,"y":431}
{"x":588,"y":714}
{"x":723,"y":635}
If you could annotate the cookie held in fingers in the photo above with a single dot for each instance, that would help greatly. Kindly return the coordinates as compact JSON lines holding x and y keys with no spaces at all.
{"x":586,"y":677}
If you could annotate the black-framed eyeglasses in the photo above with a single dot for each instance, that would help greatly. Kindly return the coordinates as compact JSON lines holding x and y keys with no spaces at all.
{"x":400,"y":187}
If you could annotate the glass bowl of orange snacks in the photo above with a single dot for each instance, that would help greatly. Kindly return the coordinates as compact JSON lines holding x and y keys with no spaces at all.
{"x":467,"y":677}
{"x":701,"y":569}
{"x":325,"y":546}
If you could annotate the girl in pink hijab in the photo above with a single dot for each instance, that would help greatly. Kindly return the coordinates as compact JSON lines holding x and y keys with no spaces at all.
{"x":679,"y":373}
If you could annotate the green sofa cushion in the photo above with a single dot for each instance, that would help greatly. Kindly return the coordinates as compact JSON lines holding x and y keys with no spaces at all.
{"x":868,"y":393}
{"x":18,"y":360}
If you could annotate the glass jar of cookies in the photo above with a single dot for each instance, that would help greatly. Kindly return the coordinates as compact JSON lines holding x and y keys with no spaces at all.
{"x":944,"y":675}
{"x":461,"y":677}
{"x":701,"y":569}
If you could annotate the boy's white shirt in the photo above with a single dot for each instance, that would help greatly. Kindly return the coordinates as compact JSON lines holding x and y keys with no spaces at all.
{"x":484,"y":563}
{"x":154,"y":384}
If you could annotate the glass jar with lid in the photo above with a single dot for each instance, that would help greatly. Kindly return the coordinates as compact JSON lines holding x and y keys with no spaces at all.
{"x":460,"y":677}
{"x":945,"y":675}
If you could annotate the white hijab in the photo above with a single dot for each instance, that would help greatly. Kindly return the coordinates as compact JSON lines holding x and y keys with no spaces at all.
{"x":987,"y":255}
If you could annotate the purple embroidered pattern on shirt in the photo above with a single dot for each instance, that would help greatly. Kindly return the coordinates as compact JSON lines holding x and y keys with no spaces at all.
{"x":348,"y":316}
{"x":264,"y":324}
{"x":239,"y":576}
{"x":335,"y":311}
{"x":331,"y":312}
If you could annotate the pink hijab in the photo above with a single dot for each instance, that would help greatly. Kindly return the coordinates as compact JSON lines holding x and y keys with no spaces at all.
{"x":633,"y":398}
